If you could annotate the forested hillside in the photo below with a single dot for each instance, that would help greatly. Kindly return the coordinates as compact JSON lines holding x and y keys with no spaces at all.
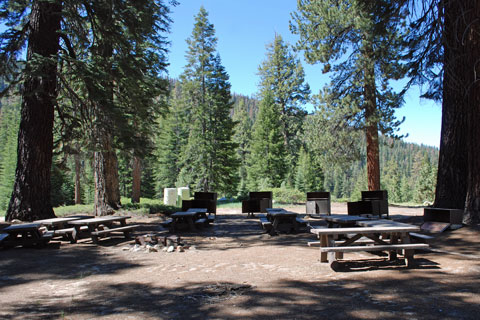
{"x":408,"y":170}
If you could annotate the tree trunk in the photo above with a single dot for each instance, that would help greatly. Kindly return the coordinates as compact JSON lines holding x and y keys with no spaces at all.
{"x":107,"y":186}
{"x":32,"y":187}
{"x":452,"y":163}
{"x":107,"y":189}
{"x":136,"y":179}
{"x":78,"y":191}
{"x":371,"y":123}
{"x":373,"y":158}
{"x":471,"y":15}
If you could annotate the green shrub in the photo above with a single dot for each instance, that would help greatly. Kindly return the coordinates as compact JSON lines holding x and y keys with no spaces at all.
{"x":286,"y":195}
{"x":149,"y":206}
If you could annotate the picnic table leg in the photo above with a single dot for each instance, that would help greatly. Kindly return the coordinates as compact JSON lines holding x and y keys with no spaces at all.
{"x":172,"y":225}
{"x":276,"y":222}
{"x":392,"y":255}
{"x":296,"y":227}
{"x":72,"y":236}
{"x":75,"y":234}
{"x":191,"y":224}
{"x":323,"y":243}
{"x":91,"y":228}
{"x":333,"y":256}
{"x":408,"y":254}
{"x":126,"y":233}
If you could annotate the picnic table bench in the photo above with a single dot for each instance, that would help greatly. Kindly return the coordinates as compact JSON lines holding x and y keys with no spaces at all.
{"x":390,"y":237}
{"x":102,"y":227}
{"x":191,"y":219}
{"x":202,"y":214}
{"x":25,"y":235}
{"x":60,"y":227}
{"x":278,"y":219}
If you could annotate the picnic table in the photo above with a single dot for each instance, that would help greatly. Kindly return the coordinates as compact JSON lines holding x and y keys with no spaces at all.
{"x":190,"y":218}
{"x":368,"y":235}
{"x":101,"y":227}
{"x":60,"y":227}
{"x":25,"y":235}
{"x":279,"y":219}
{"x":342,"y":220}
{"x":202,"y":213}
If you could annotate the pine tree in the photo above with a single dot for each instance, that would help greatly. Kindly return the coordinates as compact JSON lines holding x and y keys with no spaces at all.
{"x":9,"y":122}
{"x":172,"y":137}
{"x":113,"y":73}
{"x":309,"y":174}
{"x":282,"y":74}
{"x":208,"y":160}
{"x":425,"y":186}
{"x":267,"y":150}
{"x":364,"y":37}
{"x":392,"y":181}
{"x":38,"y":24}
{"x":242,"y":137}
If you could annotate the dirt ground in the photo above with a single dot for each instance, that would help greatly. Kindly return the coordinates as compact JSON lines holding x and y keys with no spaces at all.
{"x":232,"y":270}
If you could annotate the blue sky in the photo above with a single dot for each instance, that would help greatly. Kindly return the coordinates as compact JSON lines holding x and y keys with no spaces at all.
{"x":245,"y":27}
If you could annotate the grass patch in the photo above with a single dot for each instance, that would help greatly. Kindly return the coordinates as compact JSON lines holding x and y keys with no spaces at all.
{"x":75,"y":209}
{"x":146,"y":206}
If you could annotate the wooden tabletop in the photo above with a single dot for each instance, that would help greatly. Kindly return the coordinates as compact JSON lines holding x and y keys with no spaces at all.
{"x":365,"y":230}
{"x":282,"y":214}
{"x":273,"y":210}
{"x":184,"y":214}
{"x":382,"y":223}
{"x":21,"y":227}
{"x":198,"y":210}
{"x":342,"y":218}
{"x":98,"y":220}
{"x":53,"y":221}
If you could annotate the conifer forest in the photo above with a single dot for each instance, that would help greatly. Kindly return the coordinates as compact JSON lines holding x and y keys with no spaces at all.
{"x":121,"y":127}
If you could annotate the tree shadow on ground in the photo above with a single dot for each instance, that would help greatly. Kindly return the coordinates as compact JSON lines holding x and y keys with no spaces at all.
{"x":76,"y":261}
{"x":240,"y":231}
{"x":393,"y":296}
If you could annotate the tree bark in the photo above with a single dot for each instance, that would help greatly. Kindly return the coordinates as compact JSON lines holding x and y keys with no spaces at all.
{"x":371,"y":123}
{"x":32,"y":187}
{"x":107,"y":186}
{"x":471,"y":16}
{"x":78,"y":189}
{"x":136,"y":179}
{"x":452,"y":163}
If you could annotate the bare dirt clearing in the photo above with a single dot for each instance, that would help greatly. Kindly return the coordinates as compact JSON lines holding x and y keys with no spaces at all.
{"x":234,"y":271}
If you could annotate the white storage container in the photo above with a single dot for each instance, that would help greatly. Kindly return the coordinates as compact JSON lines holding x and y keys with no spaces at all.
{"x":184,"y":193}
{"x":170,"y":196}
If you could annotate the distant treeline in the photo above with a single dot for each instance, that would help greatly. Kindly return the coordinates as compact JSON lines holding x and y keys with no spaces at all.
{"x":408,"y":170}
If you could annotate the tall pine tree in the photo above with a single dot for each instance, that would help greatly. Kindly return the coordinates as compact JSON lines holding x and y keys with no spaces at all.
{"x":242,"y":136}
{"x":209,"y":161}
{"x":360,"y":42}
{"x":267,"y":150}
{"x":117,"y":56}
{"x":38,"y":24}
{"x":282,"y":74}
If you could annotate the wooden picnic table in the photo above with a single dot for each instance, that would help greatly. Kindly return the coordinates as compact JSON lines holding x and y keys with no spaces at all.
{"x":102,"y":226}
{"x":60,"y":227}
{"x":25,"y":235}
{"x":273,"y":210}
{"x":342,"y":220}
{"x":375,"y":235}
{"x":279,"y":219}
{"x":60,"y":222}
{"x":203,"y":213}
{"x":187,"y":218}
